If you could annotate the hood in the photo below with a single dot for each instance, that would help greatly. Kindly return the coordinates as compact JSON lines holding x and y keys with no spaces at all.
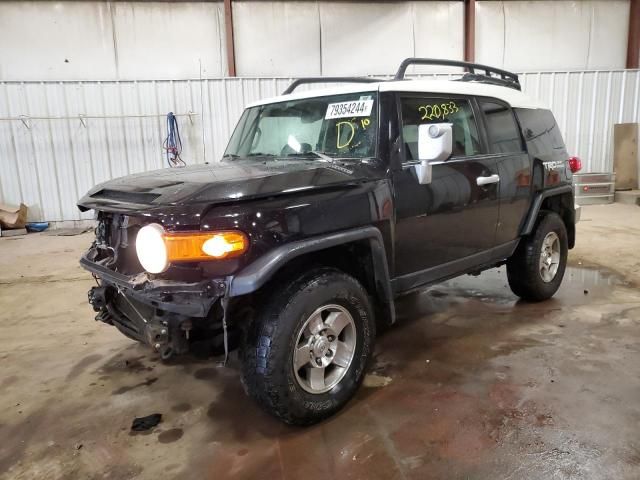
{"x":220,"y":183}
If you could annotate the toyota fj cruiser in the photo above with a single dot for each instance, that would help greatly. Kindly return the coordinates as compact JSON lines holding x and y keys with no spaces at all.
{"x":327,"y":205}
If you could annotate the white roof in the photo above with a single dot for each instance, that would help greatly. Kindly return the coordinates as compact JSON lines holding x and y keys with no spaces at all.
{"x":513,"y":97}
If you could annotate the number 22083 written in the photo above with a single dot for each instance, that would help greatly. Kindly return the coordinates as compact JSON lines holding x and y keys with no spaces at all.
{"x":440,"y":111}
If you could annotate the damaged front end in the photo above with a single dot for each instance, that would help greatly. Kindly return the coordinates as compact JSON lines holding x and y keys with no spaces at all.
{"x":174,"y":313}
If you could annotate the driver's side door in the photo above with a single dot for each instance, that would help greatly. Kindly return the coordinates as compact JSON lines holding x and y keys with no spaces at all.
{"x":445,"y":226}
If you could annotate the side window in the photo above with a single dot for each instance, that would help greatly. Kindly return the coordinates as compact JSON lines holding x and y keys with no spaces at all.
{"x":542,"y":134}
{"x":419,"y":111}
{"x":502,"y":128}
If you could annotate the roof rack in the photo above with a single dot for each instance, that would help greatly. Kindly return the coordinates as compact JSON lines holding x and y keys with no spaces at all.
{"x":492,"y":75}
{"x":503,"y":78}
{"x":303,"y":81}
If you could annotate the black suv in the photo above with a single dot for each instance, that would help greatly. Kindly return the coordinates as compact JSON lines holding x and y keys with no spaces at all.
{"x":328,"y":205}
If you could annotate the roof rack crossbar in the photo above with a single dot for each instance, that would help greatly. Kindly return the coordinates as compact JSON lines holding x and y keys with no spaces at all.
{"x":504,"y":77}
{"x":302,"y":81}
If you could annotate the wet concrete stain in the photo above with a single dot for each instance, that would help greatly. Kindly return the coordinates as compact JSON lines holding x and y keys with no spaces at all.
{"x":181,"y":407}
{"x":170,"y":436}
{"x":8,"y":381}
{"x":206,"y":373}
{"x":82,"y":365}
{"x":148,"y":382}
{"x":121,"y":362}
{"x":135,"y":365}
{"x":144,"y":433}
{"x":123,"y":471}
{"x":25,"y":429}
{"x":231,"y":405}
{"x":483,"y":386}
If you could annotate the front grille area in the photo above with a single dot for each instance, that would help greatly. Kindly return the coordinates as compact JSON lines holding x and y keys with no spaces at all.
{"x":115,"y":248}
{"x":115,"y":243}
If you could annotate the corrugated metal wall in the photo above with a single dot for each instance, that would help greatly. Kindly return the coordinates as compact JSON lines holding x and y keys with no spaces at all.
{"x":58,"y":139}
{"x":72,"y":135}
{"x":586,"y":106}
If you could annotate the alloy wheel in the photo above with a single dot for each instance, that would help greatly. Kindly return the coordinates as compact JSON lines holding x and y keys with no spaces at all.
{"x":549,"y":257}
{"x":324,"y":349}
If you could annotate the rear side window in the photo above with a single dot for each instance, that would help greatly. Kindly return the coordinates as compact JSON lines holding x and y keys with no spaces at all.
{"x":541,"y":133}
{"x":502,"y":129}
{"x":418,"y":111}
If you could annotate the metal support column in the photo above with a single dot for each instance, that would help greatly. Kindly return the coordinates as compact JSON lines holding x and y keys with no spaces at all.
{"x":228,"y":26}
{"x":469,"y":30}
{"x":633,"y":47}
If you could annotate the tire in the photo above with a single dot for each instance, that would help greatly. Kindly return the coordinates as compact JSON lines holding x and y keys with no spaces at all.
{"x":524,"y":270}
{"x":277,"y":336}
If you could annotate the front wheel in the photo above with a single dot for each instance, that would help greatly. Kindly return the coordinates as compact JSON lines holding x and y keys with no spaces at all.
{"x":537,"y":267}
{"x":306,"y":352}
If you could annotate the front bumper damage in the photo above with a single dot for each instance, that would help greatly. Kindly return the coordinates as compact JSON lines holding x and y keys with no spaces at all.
{"x":160,"y":313}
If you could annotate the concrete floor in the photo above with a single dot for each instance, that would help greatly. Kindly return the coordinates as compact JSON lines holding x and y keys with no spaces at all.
{"x":470,"y":384}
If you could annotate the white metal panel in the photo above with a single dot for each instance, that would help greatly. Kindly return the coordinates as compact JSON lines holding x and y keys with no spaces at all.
{"x":359,"y":39}
{"x":56,"y":40}
{"x":521,"y":35}
{"x":609,"y":34}
{"x":97,"y":40}
{"x":277,"y":38}
{"x":438,"y":29}
{"x":92,"y":40}
{"x":49,"y":164}
{"x":169,"y":39}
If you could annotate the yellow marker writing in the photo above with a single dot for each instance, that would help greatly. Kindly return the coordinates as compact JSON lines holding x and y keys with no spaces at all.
{"x":339,"y":134}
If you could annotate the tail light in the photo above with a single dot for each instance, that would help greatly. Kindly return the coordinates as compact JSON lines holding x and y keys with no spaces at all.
{"x":575,"y":164}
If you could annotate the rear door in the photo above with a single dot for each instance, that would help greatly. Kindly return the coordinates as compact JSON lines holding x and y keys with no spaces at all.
{"x":453,"y":217}
{"x":514,"y":167}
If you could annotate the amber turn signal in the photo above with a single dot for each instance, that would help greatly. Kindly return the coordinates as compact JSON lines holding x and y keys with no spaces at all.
{"x":189,"y":247}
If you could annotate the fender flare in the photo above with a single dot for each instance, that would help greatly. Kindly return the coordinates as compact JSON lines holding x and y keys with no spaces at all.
{"x":532,"y":216}
{"x":255,"y":275}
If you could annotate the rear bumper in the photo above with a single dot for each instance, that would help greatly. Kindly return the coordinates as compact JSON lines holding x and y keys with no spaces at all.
{"x":188,"y":299}
{"x":578,"y":212}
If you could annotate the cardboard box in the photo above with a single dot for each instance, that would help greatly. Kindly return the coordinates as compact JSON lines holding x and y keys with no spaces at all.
{"x":625,"y":155}
{"x":12,"y":216}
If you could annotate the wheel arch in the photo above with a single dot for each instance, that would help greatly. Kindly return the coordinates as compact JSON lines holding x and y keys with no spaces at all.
{"x":359,"y":252}
{"x":559,"y":200}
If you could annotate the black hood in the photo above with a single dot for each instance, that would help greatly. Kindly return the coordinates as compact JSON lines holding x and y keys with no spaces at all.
{"x":222,"y":182}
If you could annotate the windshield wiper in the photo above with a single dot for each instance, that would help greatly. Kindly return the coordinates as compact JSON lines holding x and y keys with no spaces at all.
{"x":320,"y":155}
{"x":260,"y":154}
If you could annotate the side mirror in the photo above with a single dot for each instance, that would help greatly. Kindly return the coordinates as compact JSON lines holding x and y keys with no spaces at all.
{"x":435,"y":144}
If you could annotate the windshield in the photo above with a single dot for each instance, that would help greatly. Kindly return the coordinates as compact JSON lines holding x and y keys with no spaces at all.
{"x":343,"y":126}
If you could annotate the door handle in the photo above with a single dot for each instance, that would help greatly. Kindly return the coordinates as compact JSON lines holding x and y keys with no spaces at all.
{"x":482,"y":181}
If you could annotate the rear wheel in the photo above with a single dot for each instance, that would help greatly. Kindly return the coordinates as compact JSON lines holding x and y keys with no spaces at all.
{"x":537,"y":267}
{"x":306,"y":353}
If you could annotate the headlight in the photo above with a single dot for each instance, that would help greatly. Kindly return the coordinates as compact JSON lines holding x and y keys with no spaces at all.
{"x":157,"y":249}
{"x":151,"y":249}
